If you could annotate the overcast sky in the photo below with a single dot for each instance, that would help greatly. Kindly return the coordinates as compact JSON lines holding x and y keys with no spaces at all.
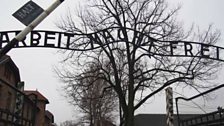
{"x":36,"y":65}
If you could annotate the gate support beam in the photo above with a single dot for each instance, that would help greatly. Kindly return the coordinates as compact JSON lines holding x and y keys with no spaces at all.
{"x":29,"y":28}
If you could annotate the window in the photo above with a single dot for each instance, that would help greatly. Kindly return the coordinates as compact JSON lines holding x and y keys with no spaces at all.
{"x":0,"y":90}
{"x":7,"y":72}
{"x":0,"y":87}
{"x":9,"y":101}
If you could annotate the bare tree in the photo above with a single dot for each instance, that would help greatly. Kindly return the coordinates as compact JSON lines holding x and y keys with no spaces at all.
{"x":124,"y":36}
{"x":70,"y":123}
{"x":93,"y":96}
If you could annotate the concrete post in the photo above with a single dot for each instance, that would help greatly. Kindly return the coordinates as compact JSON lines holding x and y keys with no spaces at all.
{"x":169,"y":107}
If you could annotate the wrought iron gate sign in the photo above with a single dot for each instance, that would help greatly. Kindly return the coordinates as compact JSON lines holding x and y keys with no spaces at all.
{"x":73,"y":41}
{"x":27,"y":13}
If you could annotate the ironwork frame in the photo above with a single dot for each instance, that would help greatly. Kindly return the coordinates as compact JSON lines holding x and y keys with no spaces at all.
{"x":208,"y":116}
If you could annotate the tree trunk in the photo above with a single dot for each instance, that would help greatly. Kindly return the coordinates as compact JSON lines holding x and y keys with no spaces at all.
{"x":129,"y":121}
{"x":130,"y":118}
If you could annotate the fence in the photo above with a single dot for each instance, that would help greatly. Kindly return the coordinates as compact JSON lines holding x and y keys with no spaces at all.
{"x":204,"y":109}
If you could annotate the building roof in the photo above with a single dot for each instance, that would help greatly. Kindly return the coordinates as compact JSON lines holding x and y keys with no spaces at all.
{"x":40,"y":97}
{"x":157,"y":119}
{"x":150,"y":119}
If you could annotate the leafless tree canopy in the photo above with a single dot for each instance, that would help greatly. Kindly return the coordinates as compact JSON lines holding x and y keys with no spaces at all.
{"x":93,"y":96}
{"x":68,"y":123}
{"x":124,"y":31}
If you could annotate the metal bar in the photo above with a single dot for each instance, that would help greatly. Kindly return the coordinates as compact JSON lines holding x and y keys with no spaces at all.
{"x":29,"y":28}
{"x":203,"y":93}
{"x":188,"y":99}
{"x":178,"y":118}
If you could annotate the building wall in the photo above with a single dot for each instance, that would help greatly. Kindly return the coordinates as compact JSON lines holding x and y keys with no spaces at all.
{"x":7,"y":95}
{"x":40,"y":103}
{"x":31,"y":110}
{"x":41,"y":113}
{"x":49,"y":118}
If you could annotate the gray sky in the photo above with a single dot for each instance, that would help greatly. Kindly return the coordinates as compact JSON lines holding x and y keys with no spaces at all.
{"x":35,"y":65}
